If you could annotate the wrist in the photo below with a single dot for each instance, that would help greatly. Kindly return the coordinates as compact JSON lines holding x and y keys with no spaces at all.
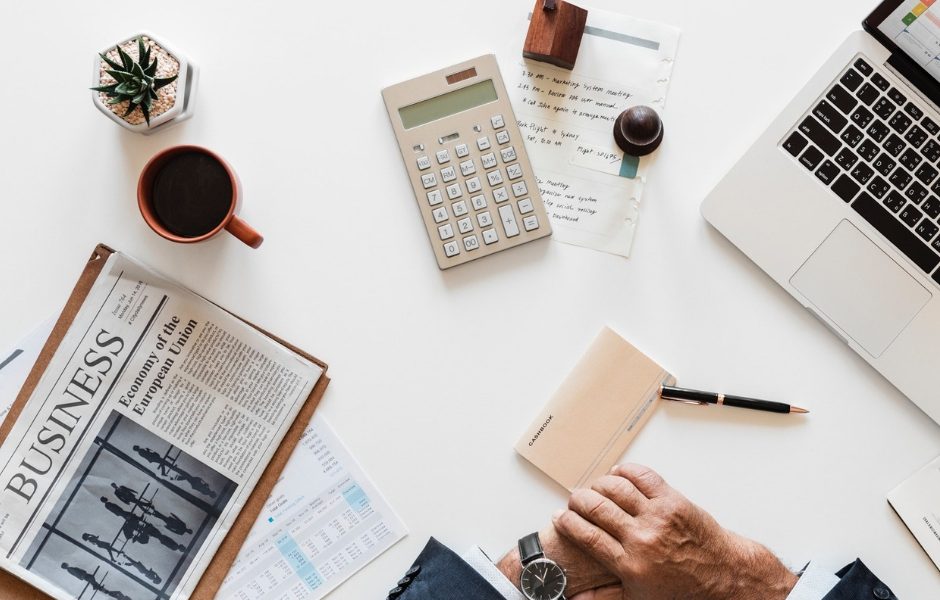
{"x":760,"y":574}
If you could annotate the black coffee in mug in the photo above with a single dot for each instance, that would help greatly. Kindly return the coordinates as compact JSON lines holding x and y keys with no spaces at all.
{"x":192,"y":194}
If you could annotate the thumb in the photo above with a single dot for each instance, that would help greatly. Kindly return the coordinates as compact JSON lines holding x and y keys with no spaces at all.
{"x":605,"y":593}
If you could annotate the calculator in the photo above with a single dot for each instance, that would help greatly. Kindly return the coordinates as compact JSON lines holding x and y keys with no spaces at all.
{"x":467,"y":162}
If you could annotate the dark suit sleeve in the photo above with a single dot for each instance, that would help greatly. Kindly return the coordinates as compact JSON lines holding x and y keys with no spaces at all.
{"x":439,"y":574}
{"x":857,"y":582}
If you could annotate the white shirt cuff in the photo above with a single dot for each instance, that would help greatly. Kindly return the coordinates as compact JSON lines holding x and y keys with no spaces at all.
{"x":814,"y":584}
{"x":481,"y":563}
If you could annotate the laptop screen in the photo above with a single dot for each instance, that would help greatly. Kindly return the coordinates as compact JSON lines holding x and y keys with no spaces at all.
{"x":914,"y":27}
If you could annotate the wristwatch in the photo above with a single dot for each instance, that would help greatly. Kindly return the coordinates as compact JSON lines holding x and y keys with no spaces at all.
{"x":542,"y":578}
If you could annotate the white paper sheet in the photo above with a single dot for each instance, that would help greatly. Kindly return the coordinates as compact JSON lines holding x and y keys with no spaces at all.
{"x":16,"y":362}
{"x":591,"y":191}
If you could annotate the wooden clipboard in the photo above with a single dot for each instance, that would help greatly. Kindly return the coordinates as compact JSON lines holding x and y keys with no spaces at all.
{"x":14,"y":588}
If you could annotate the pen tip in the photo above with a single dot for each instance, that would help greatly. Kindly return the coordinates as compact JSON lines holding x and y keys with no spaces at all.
{"x":797,"y":409}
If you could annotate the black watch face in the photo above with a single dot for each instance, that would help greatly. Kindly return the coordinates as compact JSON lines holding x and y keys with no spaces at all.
{"x":542,"y":579}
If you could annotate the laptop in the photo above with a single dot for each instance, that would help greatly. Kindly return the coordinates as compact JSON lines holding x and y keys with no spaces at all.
{"x":839,"y":199}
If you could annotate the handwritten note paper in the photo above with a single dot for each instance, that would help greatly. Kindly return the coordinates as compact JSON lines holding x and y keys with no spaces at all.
{"x":592,"y":191}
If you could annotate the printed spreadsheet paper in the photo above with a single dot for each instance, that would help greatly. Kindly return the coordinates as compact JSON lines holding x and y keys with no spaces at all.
{"x":592,"y":191}
{"x":309,"y":538}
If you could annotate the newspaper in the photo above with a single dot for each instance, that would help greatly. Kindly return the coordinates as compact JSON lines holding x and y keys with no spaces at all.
{"x":142,"y":441}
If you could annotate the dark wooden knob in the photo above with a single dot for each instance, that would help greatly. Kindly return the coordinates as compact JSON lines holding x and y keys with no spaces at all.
{"x":638,"y":130}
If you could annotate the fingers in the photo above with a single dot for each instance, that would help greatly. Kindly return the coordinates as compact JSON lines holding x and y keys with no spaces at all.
{"x":591,"y":539}
{"x":622,"y":492}
{"x":600,"y":511}
{"x":645,"y":479}
{"x":605,"y":593}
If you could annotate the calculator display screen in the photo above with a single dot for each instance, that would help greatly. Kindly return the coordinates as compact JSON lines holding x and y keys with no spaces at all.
{"x":448,"y":104}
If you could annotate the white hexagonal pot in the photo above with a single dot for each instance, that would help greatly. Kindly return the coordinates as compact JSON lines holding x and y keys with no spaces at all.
{"x":181,"y":109}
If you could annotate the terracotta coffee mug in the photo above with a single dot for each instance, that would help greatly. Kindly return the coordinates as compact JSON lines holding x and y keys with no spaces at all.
{"x":227,"y":219}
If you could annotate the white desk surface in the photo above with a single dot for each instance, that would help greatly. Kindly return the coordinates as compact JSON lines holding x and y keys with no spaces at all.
{"x":436,"y":374}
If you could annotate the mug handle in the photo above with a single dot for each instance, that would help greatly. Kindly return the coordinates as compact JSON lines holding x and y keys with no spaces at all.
{"x":244,"y":232}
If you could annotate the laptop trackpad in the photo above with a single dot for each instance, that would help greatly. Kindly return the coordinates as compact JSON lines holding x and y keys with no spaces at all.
{"x":860,"y":288}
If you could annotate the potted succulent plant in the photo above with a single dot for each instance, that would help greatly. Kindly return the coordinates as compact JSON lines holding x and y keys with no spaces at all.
{"x":143,"y":85}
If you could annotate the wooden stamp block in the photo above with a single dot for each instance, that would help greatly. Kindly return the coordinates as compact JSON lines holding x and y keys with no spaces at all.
{"x":555,"y":33}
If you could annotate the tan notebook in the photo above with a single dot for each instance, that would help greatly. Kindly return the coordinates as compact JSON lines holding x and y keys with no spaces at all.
{"x":14,"y":588}
{"x":595,"y":414}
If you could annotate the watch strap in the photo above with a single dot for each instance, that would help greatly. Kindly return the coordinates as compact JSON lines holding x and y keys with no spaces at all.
{"x":530,"y":548}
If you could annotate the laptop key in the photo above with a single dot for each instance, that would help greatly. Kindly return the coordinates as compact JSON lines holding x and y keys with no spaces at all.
{"x":820,"y":136}
{"x":936,"y":246}
{"x":894,"y":201}
{"x":926,"y":230}
{"x":900,"y":122}
{"x":932,"y":207}
{"x":828,"y":172}
{"x":931,"y":151}
{"x":862,"y":173}
{"x":931,"y":127}
{"x":812,"y":157}
{"x":880,"y":82}
{"x":878,"y":131}
{"x":846,"y":159}
{"x":862,"y":117}
{"x":868,"y":150}
{"x":916,"y":193}
{"x":911,"y":215}
{"x":878,"y":187}
{"x":894,"y":145}
{"x":916,"y":136}
{"x":884,"y":164}
{"x":839,"y":96}
{"x":926,"y":174}
{"x":845,"y":188}
{"x":897,"y":96}
{"x":915,"y":112}
{"x":795,"y":143}
{"x":863,"y":67}
{"x":827,"y":113}
{"x":910,"y":159}
{"x":903,"y":238}
{"x":868,"y":93}
{"x":852,"y":79}
{"x":852,"y":136}
{"x":900,"y":178}
{"x":884,"y":108}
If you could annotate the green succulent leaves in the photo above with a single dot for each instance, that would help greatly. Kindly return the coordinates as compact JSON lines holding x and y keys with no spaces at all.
{"x":135,"y":82}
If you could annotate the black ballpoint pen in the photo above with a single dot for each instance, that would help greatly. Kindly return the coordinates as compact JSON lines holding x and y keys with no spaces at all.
{"x":697,"y":397}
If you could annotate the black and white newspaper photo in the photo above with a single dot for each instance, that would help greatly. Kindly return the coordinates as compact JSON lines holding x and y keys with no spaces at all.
{"x":135,"y":452}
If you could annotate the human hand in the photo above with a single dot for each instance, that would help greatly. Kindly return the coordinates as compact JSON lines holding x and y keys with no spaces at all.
{"x":581,"y":571}
{"x":662,"y":546}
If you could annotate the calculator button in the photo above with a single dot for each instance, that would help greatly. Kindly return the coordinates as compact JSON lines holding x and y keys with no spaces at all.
{"x":446,"y":231}
{"x":502,"y":137}
{"x":453,"y":191}
{"x":514,"y":171}
{"x":531,"y":222}
{"x":435,"y":197}
{"x":439,"y":214}
{"x":508,"y":154}
{"x":460,"y":208}
{"x":443,"y":156}
{"x":495,"y":177}
{"x":500,"y":195}
{"x":497,"y":121}
{"x":462,"y":150}
{"x":451,"y":249}
{"x":424,"y":162}
{"x":519,"y":189}
{"x":483,"y":143}
{"x":465,"y":225}
{"x":471,"y":243}
{"x":467,"y":168}
{"x":479,"y":202}
{"x":474,"y":185}
{"x":490,"y":237}
{"x":448,"y":174}
{"x":525,"y":206}
{"x":509,"y":221}
{"x":485,"y":219}
{"x":488,"y":160}
{"x":428,"y":180}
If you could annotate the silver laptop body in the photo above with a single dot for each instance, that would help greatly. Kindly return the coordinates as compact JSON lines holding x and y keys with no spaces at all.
{"x":821,"y":225}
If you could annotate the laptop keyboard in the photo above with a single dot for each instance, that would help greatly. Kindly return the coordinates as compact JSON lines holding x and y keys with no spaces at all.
{"x":875,"y":148}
